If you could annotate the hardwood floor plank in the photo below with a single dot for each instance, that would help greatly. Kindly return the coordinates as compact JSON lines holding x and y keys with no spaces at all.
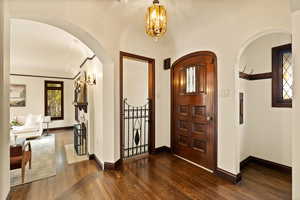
{"x":80,"y":184}
{"x":154,"y":180}
{"x":158,"y":177}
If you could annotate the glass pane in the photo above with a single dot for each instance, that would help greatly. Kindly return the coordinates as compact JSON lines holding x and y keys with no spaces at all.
{"x":187,"y":84}
{"x":191,"y":80}
{"x":287,"y":76}
{"x":54,"y":103}
{"x":182,"y":81}
{"x":193,"y":76}
{"x":54,"y":85}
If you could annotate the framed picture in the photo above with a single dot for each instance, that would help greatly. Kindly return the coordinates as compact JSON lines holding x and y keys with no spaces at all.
{"x":17,"y":95}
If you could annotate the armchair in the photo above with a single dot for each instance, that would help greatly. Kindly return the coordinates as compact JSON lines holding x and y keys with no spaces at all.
{"x":20,"y":155}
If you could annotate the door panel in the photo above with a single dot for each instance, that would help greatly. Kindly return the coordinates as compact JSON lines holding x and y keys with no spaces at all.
{"x":194,"y":109}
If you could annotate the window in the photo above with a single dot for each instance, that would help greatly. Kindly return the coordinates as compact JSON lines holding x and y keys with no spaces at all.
{"x":54,"y":99}
{"x":190,"y":80}
{"x":282,"y":80}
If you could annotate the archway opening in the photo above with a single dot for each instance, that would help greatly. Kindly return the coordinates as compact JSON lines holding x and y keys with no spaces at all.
{"x":264,"y":128}
{"x":100,"y":68}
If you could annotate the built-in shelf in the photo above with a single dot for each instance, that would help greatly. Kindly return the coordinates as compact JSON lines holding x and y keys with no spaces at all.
{"x":252,"y":77}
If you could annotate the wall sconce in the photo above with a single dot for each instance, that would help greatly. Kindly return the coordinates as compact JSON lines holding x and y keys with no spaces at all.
{"x":78,"y":83}
{"x":91,"y":79}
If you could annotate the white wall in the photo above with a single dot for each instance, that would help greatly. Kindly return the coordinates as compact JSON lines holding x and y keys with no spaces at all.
{"x":35,"y":102}
{"x":44,"y":49}
{"x":296,"y":105}
{"x":244,"y":147}
{"x":95,"y":109}
{"x":295,"y":5}
{"x":266,"y":132}
{"x":4,"y":107}
{"x":258,"y":55}
{"x":135,"y":82}
{"x":100,"y":142}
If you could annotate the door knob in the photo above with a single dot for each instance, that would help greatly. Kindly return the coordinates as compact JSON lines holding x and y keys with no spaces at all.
{"x":208,"y":118}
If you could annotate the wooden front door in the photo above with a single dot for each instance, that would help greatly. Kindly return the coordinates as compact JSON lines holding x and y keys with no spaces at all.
{"x":194,"y":108}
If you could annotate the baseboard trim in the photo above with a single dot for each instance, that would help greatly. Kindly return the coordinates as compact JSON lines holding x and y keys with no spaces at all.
{"x":61,"y":128}
{"x":266,"y":163}
{"x":9,"y":195}
{"x":163,"y":149}
{"x":106,"y":165}
{"x":112,"y":166}
{"x":98,"y":162}
{"x":233,"y":178}
{"x":245,"y":162}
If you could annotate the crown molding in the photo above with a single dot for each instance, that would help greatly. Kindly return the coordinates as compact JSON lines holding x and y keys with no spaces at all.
{"x":40,"y":76}
{"x":56,"y":77}
{"x":85,"y":60}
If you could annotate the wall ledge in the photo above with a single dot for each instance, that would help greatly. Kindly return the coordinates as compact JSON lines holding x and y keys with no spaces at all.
{"x":251,"y":77}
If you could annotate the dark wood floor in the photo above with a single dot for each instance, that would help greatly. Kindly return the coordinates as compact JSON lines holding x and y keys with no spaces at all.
{"x":160,"y":176}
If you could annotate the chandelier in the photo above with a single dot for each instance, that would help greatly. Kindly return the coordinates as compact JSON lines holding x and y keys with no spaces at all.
{"x":156,"y":20}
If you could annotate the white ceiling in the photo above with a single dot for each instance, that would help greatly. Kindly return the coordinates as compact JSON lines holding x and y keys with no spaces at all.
{"x":41,"y":49}
{"x":295,"y":5}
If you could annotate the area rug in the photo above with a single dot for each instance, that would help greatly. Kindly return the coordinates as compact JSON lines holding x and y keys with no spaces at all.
{"x":43,"y":161}
{"x":71,"y":155}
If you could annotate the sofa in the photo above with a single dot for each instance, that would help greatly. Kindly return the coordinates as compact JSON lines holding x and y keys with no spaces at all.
{"x":31,"y":126}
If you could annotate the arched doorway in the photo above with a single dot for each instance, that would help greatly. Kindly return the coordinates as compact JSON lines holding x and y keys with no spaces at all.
{"x":38,"y":84}
{"x":107,"y":132}
{"x":242,"y":66}
{"x":264,"y":70}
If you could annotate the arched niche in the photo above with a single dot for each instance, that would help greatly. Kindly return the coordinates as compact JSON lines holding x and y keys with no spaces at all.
{"x":256,"y":36}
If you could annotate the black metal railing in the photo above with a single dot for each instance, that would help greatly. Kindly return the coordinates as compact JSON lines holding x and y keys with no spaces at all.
{"x":136,"y":128}
{"x":80,"y":139}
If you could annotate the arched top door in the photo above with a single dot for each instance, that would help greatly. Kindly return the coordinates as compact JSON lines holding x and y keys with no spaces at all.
{"x":194,"y":108}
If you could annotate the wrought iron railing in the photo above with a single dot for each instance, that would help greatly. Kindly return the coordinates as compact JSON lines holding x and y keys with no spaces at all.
{"x":80,"y":142}
{"x":136,"y":128}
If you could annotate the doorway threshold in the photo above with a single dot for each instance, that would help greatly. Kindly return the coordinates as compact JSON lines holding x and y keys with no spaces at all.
{"x":194,"y":163}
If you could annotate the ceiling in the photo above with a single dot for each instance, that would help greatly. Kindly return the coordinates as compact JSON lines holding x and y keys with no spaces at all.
{"x":41,"y":49}
{"x":295,"y":5}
